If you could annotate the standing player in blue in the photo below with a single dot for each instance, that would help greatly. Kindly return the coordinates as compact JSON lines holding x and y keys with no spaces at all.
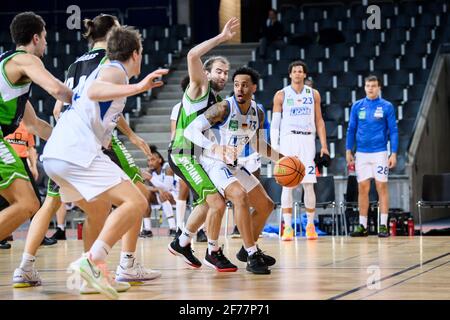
{"x":372,"y":120}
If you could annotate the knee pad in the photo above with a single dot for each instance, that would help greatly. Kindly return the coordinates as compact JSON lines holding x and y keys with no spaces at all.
{"x":310,"y":196}
{"x":286,"y":198}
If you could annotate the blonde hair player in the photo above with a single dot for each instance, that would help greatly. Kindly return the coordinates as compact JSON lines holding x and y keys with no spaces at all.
{"x":74,"y":160}
{"x":296,"y":120}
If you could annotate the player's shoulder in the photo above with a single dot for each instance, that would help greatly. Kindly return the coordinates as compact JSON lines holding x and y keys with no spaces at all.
{"x":386,"y":103}
{"x":358,"y":103}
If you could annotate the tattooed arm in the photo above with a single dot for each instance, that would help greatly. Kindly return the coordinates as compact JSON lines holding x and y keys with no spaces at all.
{"x":194,"y":132}
{"x":215,"y":114}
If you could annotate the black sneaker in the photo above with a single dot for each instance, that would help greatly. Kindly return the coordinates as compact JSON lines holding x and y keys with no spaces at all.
{"x":256,"y":264}
{"x":201,"y":236}
{"x":383,"y":231}
{"x":172,"y":233}
{"x":5,"y":245}
{"x":48,"y":241}
{"x":185,"y":252}
{"x":242,"y":255}
{"x":146,"y":234}
{"x":218,"y":261}
{"x":178,"y":234}
{"x":59,"y":234}
{"x":236,"y":234}
{"x":360,"y":231}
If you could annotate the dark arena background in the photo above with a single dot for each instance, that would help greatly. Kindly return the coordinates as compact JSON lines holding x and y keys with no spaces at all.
{"x":405,"y":44}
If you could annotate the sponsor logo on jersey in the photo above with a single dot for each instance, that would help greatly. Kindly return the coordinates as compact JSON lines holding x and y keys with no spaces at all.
{"x":300,"y":111}
{"x":290,"y":102}
{"x":378,"y":113}
{"x":5,"y":155}
{"x":362,"y":114}
{"x":233,"y":125}
{"x":307,"y":90}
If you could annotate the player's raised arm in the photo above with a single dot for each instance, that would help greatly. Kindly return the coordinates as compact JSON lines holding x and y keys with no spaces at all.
{"x":198,"y":80}
{"x":111,"y":85}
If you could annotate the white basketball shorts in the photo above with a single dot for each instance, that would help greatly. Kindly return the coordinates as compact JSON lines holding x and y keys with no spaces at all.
{"x":372,"y":165}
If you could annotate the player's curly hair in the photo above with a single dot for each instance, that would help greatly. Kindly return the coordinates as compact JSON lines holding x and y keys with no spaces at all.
{"x":154,"y":150}
{"x":24,"y":26}
{"x":254,"y":75}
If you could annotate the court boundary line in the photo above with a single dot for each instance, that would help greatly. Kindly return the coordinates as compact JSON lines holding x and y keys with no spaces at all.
{"x":348,"y":292}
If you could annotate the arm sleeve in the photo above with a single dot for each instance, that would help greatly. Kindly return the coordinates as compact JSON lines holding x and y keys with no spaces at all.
{"x":194,"y":132}
{"x":351,"y":130}
{"x":275,"y":130}
{"x":393,"y":130}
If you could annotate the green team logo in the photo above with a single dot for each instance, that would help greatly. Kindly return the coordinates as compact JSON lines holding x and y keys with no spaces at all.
{"x":233,"y":125}
{"x":307,"y":90}
{"x":362,"y":114}
{"x":290,"y":102}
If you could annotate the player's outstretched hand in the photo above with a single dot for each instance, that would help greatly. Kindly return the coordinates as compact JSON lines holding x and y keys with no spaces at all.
{"x":141,"y":144}
{"x":228,"y":154}
{"x":228,"y":31}
{"x":149,"y":81}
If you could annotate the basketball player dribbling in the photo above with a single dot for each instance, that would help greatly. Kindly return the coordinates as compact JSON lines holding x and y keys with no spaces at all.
{"x":236,"y":122}
{"x":296,"y":120}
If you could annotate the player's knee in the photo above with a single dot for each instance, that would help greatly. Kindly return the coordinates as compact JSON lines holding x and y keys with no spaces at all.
{"x":216,"y":204}
{"x":140,"y":205}
{"x":269,"y":205}
{"x":238,"y":195}
{"x":30,"y":207}
{"x":363,"y":187}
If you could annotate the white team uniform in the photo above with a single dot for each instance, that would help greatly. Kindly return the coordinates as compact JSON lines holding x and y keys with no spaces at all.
{"x":372,"y":165}
{"x":73,"y":155}
{"x":161,"y":180}
{"x":298,"y":129}
{"x":237,"y":130}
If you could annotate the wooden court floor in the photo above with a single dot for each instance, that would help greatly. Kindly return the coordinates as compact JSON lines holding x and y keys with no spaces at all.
{"x":329,"y":268}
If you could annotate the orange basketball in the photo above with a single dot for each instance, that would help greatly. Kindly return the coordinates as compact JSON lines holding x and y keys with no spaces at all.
{"x":289,"y":171}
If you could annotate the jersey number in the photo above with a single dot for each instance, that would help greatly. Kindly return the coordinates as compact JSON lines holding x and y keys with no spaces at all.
{"x":382,"y":170}
{"x":311,"y":170}
{"x":307,"y":100}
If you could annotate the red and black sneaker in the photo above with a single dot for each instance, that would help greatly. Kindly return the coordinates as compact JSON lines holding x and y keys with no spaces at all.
{"x":184,"y":252}
{"x":218,"y":261}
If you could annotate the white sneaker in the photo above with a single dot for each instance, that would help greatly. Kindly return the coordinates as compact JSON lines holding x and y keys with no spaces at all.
{"x":136,"y":274}
{"x":25,"y":279}
{"x":97,"y":276}
{"x":119,"y":286}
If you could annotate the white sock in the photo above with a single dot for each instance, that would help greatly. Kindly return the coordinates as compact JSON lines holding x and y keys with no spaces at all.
{"x":185,"y":237}
{"x":287,"y":219}
{"x":27,"y":262}
{"x":61,"y":226}
{"x":168,"y":211}
{"x":147,"y":224}
{"x":310,"y":216}
{"x":127,"y":259}
{"x":201,"y":227}
{"x":252,"y":250}
{"x":99,"y":251}
{"x":363,"y":221}
{"x":384,"y":218}
{"x":213,"y":245}
{"x":180,"y":210}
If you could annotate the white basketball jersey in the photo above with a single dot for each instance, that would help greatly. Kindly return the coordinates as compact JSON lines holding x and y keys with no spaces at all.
{"x":86,"y":126}
{"x":237,"y":130}
{"x":160,"y":179}
{"x":298,"y":111}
